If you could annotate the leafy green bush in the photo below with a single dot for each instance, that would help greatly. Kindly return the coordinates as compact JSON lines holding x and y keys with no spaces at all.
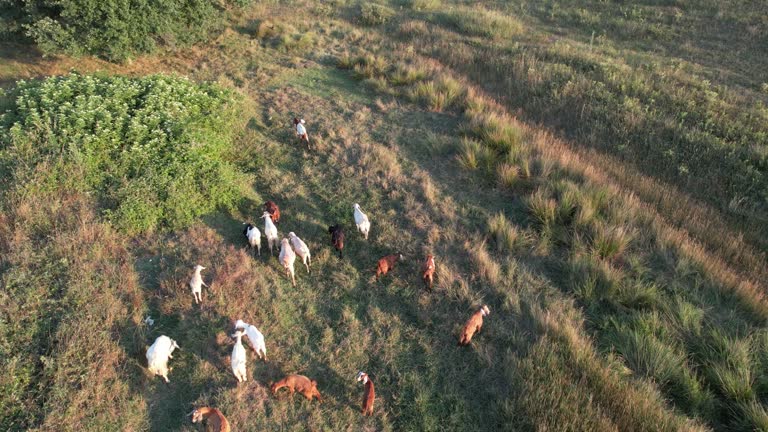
{"x":112,"y":29}
{"x":151,"y":148}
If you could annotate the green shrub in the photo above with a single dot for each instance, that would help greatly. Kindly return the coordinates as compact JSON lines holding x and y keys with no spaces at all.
{"x":113,"y":29}
{"x":372,"y":14}
{"x":151,"y":148}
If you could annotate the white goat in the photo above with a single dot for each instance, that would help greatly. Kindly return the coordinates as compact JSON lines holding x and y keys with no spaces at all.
{"x":254,"y":237}
{"x":287,"y":258}
{"x":238,"y":357}
{"x":270,"y":230}
{"x":301,"y":250}
{"x":361,"y":220}
{"x":255,"y":338}
{"x":196,"y":283}
{"x":158,"y":355}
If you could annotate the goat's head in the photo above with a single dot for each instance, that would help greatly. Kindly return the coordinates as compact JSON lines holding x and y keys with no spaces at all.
{"x":240,"y":324}
{"x":356,"y":206}
{"x":266,"y":215}
{"x":485,"y":311}
{"x":400,"y":256}
{"x":291,"y":235}
{"x":362,"y":376}
{"x":197,"y":416}
{"x":199,"y":267}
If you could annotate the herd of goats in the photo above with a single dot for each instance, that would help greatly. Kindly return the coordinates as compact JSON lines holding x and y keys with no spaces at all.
{"x":161,"y":350}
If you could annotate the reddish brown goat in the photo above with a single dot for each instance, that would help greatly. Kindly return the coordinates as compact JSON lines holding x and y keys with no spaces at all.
{"x":299,"y":383}
{"x":428,"y":271}
{"x":473,"y":325}
{"x":273,"y":210}
{"x":370,"y":394}
{"x":387,"y":263}
{"x":215,"y":420}
{"x":337,"y":238}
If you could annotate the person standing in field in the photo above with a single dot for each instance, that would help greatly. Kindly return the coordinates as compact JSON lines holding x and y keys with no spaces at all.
{"x":301,"y":130}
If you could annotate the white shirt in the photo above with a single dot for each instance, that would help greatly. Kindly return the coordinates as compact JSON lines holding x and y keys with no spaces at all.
{"x":300,"y":129}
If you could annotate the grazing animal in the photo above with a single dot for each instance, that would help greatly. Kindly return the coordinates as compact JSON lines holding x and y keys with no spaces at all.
{"x":254,"y":237}
{"x":239,"y":358}
{"x":270,"y":230}
{"x":158,"y":355}
{"x":287,"y":258}
{"x":428,"y":271}
{"x":196,"y":283}
{"x":387,"y":263}
{"x":299,"y":383}
{"x":337,"y":238}
{"x":473,"y":325}
{"x":370,"y":394}
{"x":255,"y":338}
{"x":273,"y":210}
{"x":301,"y":250}
{"x":361,"y":220}
{"x":301,"y":130}
{"x":214,"y":419}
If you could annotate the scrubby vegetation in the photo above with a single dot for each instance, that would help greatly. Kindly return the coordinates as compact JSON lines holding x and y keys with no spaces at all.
{"x":113,"y":29}
{"x":619,"y":302}
{"x":151,"y":150}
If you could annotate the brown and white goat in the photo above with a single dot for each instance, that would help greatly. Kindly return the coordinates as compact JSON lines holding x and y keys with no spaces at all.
{"x":213,"y":418}
{"x":273,"y":210}
{"x":428,"y":271}
{"x":370,"y":394}
{"x":337,"y":238}
{"x":387,"y":263}
{"x":299,"y":383}
{"x":473,"y":325}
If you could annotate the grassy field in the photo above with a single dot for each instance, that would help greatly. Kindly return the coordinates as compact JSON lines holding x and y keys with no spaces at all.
{"x":509,"y":140}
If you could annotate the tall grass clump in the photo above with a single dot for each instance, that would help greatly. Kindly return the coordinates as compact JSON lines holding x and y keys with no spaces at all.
{"x":497,"y":130}
{"x":542,"y":209}
{"x":505,"y":234}
{"x":473,"y":155}
{"x":610,"y":242}
{"x":666,"y":365}
{"x":151,"y":149}
{"x":482,"y":22}
{"x":440,"y":94}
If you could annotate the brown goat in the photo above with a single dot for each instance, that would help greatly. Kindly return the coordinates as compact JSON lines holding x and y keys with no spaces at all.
{"x":214,"y":419}
{"x":273,"y":210}
{"x":337,"y":238}
{"x":428,"y":271}
{"x":370,"y":394}
{"x":387,"y":263}
{"x":473,"y":325}
{"x":299,"y":383}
